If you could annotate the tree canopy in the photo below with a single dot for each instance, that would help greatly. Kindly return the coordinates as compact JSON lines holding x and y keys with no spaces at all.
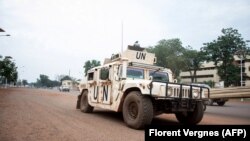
{"x":171,"y":54}
{"x":168,"y":54}
{"x":65,"y":77}
{"x":90,"y":64}
{"x":44,"y":81}
{"x":192,"y":60}
{"x":8,"y":70}
{"x":222,"y":50}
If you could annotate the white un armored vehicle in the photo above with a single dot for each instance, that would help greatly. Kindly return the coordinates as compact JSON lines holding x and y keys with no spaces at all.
{"x":129,"y":83}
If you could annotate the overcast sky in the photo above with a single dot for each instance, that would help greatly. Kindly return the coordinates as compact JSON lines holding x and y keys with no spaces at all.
{"x":55,"y":37}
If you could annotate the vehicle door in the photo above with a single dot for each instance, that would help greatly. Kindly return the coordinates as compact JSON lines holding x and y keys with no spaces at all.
{"x":105,"y":85}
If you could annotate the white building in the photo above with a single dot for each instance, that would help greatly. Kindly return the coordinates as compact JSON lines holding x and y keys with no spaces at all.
{"x":208,"y":72}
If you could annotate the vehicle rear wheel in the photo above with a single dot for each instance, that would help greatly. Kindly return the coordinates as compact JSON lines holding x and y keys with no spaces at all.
{"x":193,"y":117}
{"x":221,"y":103}
{"x":84,"y":105}
{"x":137,"y":110}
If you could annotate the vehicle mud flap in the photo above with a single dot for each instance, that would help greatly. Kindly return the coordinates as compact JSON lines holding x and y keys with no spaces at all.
{"x":78,"y":101}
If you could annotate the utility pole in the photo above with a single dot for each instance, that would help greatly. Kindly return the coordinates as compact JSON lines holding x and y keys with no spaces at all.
{"x":241,"y":80}
{"x":122,"y":38}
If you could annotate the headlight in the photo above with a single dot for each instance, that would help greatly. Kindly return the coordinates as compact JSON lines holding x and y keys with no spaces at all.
{"x":170,"y":92}
{"x":196,"y":94}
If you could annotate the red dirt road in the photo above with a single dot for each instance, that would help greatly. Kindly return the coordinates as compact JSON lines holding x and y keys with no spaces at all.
{"x":33,"y":114}
{"x":29,"y":114}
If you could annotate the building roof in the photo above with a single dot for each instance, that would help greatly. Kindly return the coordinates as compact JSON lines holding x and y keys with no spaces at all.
{"x":237,"y":58}
{"x":211,"y":64}
{"x":207,"y":65}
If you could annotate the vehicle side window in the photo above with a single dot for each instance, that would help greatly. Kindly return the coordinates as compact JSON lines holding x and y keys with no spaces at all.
{"x":104,"y":74}
{"x":135,"y":73}
{"x":91,"y":76}
{"x":159,"y":76}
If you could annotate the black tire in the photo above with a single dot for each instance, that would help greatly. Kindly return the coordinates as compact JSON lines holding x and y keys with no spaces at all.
{"x":137,"y":110}
{"x":221,"y":103}
{"x":204,"y":106}
{"x":84,"y":103}
{"x":193,"y":117}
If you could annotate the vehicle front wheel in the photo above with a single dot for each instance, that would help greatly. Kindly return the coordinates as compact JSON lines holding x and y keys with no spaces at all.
{"x":193,"y":117}
{"x":137,"y":110}
{"x":84,"y":104}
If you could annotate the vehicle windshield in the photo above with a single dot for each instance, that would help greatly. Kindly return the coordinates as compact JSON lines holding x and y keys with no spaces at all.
{"x":135,"y":73}
{"x":159,"y":76}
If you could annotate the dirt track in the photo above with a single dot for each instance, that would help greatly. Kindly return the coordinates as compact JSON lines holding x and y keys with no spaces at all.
{"x":31,"y":114}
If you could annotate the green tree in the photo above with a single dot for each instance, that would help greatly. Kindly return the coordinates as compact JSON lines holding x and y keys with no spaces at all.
{"x":44,"y":81}
{"x":232,"y":75}
{"x":54,"y":83}
{"x":8,"y":70}
{"x":193,"y":61}
{"x":24,"y":82}
{"x":65,"y":77}
{"x":90,"y":64}
{"x":168,"y":53}
{"x":222,"y":51}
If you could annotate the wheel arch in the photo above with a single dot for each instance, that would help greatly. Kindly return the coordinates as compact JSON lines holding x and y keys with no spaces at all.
{"x":79,"y":98}
{"x":127,"y":91}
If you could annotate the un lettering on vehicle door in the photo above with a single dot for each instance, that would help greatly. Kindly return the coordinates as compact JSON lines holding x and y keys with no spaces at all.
{"x":105,"y":93}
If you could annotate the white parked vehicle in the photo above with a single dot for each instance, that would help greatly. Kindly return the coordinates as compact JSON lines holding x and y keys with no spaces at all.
{"x":131,"y":84}
{"x":64,"y":88}
{"x":66,"y":85}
